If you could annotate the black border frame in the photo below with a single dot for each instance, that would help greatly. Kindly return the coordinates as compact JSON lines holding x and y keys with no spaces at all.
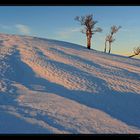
{"x":72,"y":3}
{"x":69,"y":3}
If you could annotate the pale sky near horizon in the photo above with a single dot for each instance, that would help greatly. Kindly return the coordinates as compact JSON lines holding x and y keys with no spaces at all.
{"x":57,"y":22}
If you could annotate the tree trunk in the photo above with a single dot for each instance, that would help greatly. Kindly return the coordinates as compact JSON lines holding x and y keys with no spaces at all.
{"x":109,"y":47}
{"x":105,"y":47}
{"x":131,"y":55}
{"x":88,"y":42}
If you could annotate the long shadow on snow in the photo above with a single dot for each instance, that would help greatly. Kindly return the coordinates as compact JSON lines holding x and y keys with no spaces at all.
{"x":122,"y":106}
{"x":91,"y":63}
{"x":8,"y":125}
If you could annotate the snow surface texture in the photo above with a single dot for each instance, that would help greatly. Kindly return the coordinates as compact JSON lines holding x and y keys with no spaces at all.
{"x":49,"y":86}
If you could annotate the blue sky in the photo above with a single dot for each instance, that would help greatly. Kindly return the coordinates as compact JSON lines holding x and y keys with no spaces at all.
{"x":57,"y":22}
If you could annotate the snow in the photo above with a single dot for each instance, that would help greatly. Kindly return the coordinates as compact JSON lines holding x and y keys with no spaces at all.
{"x":50,"y":86}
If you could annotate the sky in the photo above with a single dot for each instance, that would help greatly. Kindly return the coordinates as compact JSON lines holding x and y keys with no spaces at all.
{"x":57,"y":22}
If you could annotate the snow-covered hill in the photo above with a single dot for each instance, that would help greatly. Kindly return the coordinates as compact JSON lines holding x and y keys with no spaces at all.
{"x":49,"y":86}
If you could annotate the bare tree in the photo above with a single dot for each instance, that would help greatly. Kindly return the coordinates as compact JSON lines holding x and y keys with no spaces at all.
{"x":89,"y":27}
{"x":136,"y":52}
{"x":109,"y":38}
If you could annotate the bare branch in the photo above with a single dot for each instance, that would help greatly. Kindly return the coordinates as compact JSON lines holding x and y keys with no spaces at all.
{"x":89,"y":23}
{"x":76,"y":18}
{"x":109,"y":38}
{"x":97,"y":30}
{"x":114,"y":29}
{"x":136,"y":52}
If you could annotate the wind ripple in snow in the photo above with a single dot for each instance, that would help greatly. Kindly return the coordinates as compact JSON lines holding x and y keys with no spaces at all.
{"x":59,"y":87}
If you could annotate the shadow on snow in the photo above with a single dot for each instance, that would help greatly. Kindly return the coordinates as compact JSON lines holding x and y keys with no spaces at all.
{"x":122,"y":106}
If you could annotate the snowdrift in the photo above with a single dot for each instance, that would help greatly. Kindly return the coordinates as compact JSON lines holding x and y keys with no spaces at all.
{"x":50,"y":86}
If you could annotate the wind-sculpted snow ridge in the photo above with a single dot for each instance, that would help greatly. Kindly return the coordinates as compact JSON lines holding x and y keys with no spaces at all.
{"x":50,"y":86}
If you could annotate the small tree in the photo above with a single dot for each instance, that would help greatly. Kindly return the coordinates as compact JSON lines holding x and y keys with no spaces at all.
{"x":109,"y":38}
{"x":136,"y":52}
{"x":89,"y":27}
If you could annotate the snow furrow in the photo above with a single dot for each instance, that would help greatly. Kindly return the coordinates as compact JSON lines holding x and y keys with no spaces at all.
{"x":57,"y":87}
